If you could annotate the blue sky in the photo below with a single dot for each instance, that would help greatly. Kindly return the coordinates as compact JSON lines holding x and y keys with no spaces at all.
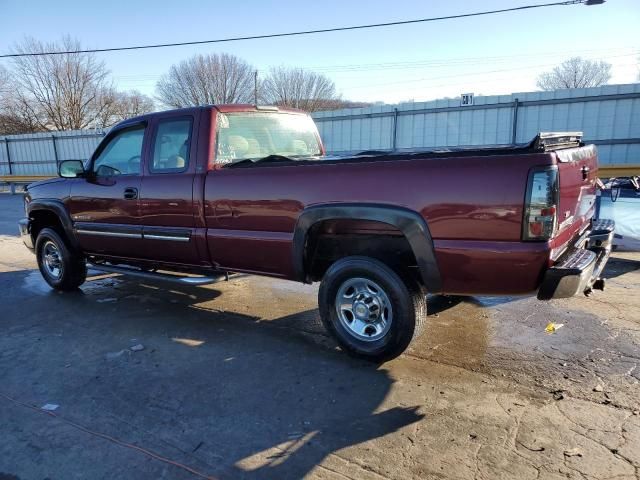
{"x":485,"y":55}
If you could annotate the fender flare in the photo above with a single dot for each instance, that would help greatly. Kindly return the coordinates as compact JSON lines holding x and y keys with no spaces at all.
{"x":410,"y":223}
{"x":58,"y":208}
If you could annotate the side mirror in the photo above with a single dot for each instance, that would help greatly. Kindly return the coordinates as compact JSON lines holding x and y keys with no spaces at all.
{"x":71,"y":169}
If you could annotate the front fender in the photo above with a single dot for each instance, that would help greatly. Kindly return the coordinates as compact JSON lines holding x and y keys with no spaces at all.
{"x":56,"y":207}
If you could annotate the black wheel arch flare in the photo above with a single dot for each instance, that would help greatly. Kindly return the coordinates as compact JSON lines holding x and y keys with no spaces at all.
{"x":58,"y":208}
{"x":409,"y":222}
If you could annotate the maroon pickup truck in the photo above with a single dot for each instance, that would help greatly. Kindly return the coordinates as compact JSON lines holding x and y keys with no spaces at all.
{"x":191,"y":195}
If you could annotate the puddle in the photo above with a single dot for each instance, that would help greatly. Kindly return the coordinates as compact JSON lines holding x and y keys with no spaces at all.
{"x":458,"y":331}
{"x":493,"y":301}
{"x":35,"y":284}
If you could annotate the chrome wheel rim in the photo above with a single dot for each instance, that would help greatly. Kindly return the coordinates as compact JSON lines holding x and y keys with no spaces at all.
{"x":52,"y":260}
{"x":364,"y":309}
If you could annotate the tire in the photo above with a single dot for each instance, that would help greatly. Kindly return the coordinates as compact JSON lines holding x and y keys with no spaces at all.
{"x":374,"y":334}
{"x":61,"y":268}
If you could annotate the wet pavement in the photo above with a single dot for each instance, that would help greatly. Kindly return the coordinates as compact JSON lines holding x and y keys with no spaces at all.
{"x":239,"y":380}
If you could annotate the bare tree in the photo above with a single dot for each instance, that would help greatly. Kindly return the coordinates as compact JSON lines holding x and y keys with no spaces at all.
{"x":207,"y":79}
{"x":576,"y":72}
{"x":122,"y":105}
{"x":10,"y":122}
{"x":299,"y":88}
{"x":337,"y":104}
{"x":58,"y":92}
{"x":4,"y":84}
{"x":131,"y":104}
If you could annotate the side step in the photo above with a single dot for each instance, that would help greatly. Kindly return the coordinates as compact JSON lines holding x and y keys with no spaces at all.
{"x":166,"y":277}
{"x":602,"y":226}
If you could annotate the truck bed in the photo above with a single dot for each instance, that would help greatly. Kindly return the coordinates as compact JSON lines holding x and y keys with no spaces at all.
{"x":543,"y":142}
{"x":471,"y":199}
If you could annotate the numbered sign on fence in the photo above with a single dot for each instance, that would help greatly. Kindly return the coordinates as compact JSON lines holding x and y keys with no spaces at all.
{"x":466,"y":99}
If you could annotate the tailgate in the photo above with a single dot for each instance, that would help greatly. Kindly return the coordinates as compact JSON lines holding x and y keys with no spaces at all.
{"x":577,"y":172}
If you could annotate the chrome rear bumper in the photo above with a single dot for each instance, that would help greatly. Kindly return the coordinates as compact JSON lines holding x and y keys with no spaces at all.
{"x":579,"y":269}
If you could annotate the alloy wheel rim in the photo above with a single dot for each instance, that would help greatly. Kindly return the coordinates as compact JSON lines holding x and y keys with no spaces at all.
{"x":364,"y":309}
{"x":52,"y":260}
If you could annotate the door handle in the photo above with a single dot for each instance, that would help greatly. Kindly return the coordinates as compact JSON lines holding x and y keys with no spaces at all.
{"x":130,"y":193}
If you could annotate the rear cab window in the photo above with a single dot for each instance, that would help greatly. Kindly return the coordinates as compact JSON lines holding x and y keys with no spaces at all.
{"x":254,"y":135}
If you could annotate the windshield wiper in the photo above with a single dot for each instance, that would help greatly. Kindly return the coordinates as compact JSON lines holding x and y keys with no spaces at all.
{"x":268,"y":158}
{"x":274,"y":158}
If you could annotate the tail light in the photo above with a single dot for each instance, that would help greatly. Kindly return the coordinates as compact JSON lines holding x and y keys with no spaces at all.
{"x":541,"y":204}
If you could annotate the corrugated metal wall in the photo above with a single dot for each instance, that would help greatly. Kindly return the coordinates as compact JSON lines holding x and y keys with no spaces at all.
{"x":38,"y":153}
{"x":609,"y":116}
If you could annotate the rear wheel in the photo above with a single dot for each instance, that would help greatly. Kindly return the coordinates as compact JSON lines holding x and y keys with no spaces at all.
{"x":61,"y":268}
{"x":371,"y":311}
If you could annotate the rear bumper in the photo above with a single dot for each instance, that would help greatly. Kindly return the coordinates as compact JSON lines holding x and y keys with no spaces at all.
{"x":579,"y":269}
{"x":24,"y":225}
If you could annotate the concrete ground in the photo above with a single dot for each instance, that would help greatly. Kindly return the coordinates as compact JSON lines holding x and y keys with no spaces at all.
{"x":239,"y":380}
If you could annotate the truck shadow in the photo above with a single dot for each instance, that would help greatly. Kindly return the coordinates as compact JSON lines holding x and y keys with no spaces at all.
{"x":617,"y":266}
{"x":237,"y":396}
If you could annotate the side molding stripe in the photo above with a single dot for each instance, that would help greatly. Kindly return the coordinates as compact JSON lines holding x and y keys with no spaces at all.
{"x":133,"y":231}
{"x":103,"y":233}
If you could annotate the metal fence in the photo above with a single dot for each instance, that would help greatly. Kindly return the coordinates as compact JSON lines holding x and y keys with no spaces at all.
{"x":609,"y":116}
{"x":39,"y":153}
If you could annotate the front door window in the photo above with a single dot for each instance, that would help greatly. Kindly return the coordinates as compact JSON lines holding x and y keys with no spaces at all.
{"x":122,"y":155}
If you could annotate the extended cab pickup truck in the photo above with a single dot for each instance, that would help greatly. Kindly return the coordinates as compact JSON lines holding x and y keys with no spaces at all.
{"x":191,"y":195}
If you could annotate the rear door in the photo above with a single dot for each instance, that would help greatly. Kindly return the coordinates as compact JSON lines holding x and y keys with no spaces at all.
{"x":167,"y":192}
{"x":105,"y":206}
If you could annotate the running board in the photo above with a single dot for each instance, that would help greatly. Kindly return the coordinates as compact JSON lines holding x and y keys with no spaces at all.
{"x":184,"y":280}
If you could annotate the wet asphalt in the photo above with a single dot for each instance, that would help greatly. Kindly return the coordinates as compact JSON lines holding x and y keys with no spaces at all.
{"x":240,"y":380}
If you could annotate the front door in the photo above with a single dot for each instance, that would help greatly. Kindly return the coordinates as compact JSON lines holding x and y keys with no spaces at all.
{"x":105,"y":206}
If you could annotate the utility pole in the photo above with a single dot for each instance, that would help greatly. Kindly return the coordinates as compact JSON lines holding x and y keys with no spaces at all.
{"x":255,"y":87}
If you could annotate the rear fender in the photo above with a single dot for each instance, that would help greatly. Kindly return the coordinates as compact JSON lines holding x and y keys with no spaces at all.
{"x":410,"y":223}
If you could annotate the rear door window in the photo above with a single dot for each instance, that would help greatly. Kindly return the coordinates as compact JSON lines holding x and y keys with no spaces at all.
{"x":171,"y":146}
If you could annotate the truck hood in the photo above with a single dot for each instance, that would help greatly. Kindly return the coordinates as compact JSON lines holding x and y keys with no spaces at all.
{"x":48,"y":181}
{"x":51,"y":188}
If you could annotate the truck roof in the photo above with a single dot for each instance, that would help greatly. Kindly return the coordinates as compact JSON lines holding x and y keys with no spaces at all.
{"x":223,"y":108}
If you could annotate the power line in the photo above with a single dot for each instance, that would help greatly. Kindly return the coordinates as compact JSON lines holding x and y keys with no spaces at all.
{"x":525,"y":67}
{"x":308,"y":32}
{"x":420,"y":89}
{"x":456,"y":62}
{"x":416,"y":64}
{"x":432,"y":63}
{"x":150,"y":78}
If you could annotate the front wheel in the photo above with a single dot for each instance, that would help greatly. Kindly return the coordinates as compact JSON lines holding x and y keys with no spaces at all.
{"x":371,"y":311}
{"x":61,"y":268}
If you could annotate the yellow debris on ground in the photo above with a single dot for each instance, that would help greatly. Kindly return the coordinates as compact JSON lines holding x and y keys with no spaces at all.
{"x":552,"y":327}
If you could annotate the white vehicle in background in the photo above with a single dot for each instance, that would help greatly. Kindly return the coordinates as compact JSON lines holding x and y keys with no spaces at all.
{"x":620,"y":201}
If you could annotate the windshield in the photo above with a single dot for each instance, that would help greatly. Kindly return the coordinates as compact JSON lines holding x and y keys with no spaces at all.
{"x":255,"y":135}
